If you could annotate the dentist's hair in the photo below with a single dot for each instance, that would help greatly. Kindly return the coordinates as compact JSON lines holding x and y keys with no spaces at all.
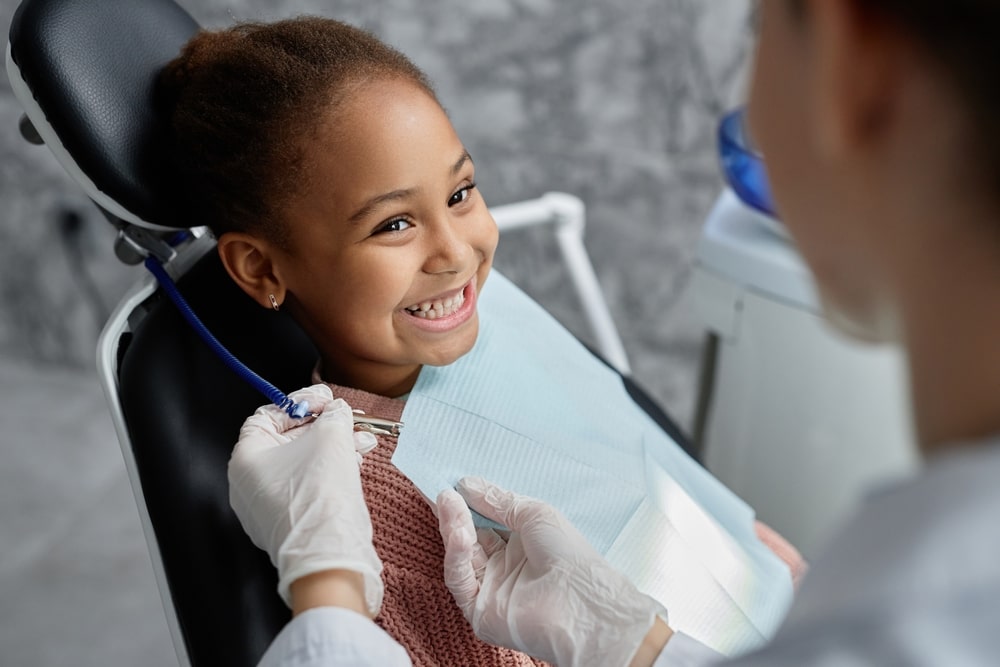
{"x":963,"y":37}
{"x":241,"y":105}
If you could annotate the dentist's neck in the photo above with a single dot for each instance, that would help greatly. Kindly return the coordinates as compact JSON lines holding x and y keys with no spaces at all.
{"x":950,"y":305}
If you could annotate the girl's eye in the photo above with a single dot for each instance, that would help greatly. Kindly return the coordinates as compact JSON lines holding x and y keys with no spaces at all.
{"x":462,"y":195}
{"x":396,"y":225}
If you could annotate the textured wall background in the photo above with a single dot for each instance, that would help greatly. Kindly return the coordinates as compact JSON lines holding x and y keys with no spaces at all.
{"x":614,"y":102}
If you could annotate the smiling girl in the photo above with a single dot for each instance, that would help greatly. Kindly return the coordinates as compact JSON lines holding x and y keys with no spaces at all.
{"x":339,"y":191}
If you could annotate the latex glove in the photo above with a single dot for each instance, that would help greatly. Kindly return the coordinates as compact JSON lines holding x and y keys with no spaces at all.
{"x":544,"y":590}
{"x":296,"y":487}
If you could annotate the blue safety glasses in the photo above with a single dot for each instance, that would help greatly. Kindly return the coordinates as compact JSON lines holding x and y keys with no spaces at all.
{"x":742,"y":165}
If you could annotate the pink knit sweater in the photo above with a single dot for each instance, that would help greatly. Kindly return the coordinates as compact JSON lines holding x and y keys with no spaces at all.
{"x":418,"y":611}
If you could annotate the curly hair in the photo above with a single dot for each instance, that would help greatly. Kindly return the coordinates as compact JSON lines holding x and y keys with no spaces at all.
{"x":241,"y":104}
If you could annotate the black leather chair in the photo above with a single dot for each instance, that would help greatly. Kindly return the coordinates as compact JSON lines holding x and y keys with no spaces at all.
{"x":89,"y":67}
{"x":183,"y":409}
{"x":84,"y":71}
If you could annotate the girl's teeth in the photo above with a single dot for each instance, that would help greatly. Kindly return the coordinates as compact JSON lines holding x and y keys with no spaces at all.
{"x":432,"y":310}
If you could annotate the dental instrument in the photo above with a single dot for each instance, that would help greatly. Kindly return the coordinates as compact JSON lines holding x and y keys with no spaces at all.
{"x":298,"y":410}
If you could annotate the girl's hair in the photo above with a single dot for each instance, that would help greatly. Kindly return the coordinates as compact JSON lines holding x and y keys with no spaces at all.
{"x":242,"y":104}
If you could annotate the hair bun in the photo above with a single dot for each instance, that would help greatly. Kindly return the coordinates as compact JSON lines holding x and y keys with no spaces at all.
{"x":177,"y":75}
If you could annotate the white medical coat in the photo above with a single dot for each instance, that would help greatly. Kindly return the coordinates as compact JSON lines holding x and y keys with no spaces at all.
{"x":912,"y":579}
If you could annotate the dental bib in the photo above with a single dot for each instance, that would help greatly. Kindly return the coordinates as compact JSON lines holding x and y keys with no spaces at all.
{"x":531,"y":409}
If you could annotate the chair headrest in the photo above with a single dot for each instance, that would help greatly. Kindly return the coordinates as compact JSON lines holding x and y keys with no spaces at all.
{"x":84,"y":70}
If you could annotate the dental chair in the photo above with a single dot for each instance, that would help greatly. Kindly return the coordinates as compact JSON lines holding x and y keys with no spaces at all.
{"x":83,"y":70}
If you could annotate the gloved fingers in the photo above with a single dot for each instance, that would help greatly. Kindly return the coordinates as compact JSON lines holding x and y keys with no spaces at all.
{"x":454,"y":515}
{"x":460,"y":573}
{"x":462,"y":552}
{"x":334,"y":409}
{"x":490,"y":541}
{"x":337,"y":408}
{"x":497,"y":504}
{"x":260,"y":431}
{"x":334,"y":428}
{"x":364,"y":442}
{"x":318,"y":395}
{"x":274,"y":426}
{"x":241,"y":496}
{"x":252,"y":442}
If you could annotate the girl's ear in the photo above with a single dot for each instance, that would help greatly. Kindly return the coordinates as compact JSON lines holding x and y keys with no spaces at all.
{"x":250,"y":263}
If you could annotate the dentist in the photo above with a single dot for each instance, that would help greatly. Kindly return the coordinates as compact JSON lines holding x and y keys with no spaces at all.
{"x":879,"y":122}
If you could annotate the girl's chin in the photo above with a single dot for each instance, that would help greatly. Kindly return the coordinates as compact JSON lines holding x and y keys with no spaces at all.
{"x":446,"y":353}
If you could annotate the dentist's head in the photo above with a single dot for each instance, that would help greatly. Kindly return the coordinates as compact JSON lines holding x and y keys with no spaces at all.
{"x":877,"y":120}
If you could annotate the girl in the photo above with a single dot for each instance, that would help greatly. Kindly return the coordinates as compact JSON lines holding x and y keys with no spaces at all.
{"x":340,"y":192}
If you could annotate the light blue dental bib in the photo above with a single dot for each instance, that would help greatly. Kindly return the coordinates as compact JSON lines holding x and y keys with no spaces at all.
{"x":531,"y":409}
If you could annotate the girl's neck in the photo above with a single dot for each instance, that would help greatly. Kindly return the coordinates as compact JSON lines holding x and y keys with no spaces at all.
{"x":391,"y":381}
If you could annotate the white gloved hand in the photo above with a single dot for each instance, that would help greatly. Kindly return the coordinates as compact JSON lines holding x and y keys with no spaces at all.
{"x":544,"y":591}
{"x":296,"y":487}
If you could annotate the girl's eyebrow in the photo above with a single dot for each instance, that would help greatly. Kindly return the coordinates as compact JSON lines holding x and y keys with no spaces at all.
{"x":377,"y":201}
{"x":461,"y":162}
{"x":394,"y":195}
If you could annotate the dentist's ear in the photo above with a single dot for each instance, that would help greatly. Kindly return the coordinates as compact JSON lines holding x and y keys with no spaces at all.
{"x":857,"y":74}
{"x":249,"y":262}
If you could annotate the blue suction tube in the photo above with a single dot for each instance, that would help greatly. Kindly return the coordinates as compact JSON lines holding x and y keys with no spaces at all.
{"x":298,"y":410}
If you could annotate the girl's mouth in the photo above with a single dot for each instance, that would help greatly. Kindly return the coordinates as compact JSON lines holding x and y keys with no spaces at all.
{"x":444,"y":312}
{"x":432,"y":310}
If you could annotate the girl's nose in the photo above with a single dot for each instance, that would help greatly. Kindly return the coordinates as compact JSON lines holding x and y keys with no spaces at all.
{"x":448,"y":250}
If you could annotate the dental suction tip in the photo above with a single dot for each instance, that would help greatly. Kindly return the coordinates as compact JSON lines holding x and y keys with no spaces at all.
{"x":300,"y":410}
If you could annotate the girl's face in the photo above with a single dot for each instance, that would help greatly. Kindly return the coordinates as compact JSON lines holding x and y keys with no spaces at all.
{"x":391,"y":244}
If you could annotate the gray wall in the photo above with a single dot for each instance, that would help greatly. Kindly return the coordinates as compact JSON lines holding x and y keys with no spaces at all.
{"x":613,"y":101}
